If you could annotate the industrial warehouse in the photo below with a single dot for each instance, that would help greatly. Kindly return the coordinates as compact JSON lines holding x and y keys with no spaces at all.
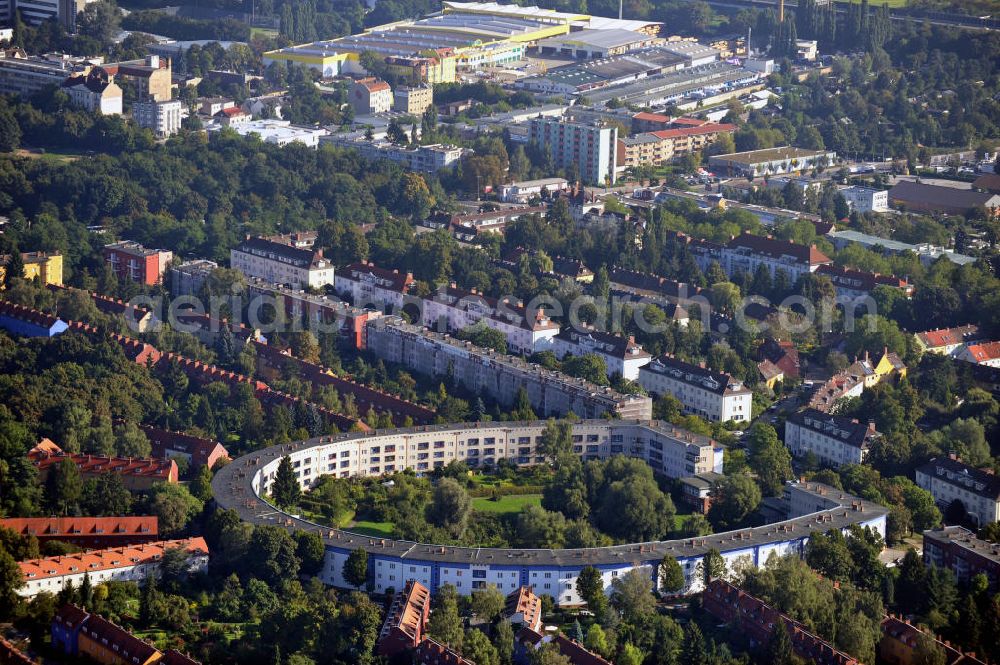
{"x":463,"y":35}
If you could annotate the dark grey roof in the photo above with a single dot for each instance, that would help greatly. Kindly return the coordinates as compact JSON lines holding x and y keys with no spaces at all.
{"x":935,"y":197}
{"x":297,"y":256}
{"x":695,"y":375}
{"x":844,"y":429}
{"x":954,"y":472}
{"x":233,"y":490}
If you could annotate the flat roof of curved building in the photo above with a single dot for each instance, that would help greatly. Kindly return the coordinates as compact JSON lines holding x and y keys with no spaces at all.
{"x":233,"y":489}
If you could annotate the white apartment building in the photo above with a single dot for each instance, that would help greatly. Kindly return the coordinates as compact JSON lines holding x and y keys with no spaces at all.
{"x":38,"y":11}
{"x":367,"y":285}
{"x":622,"y":355}
{"x":592,"y":147}
{"x":520,"y":192}
{"x":714,"y":396}
{"x":981,"y":353}
{"x":948,"y":480}
{"x":866,"y":199}
{"x":280,"y":132}
{"x":747,"y":252}
{"x":133,"y":563}
{"x":94,"y":91}
{"x":370,"y":96}
{"x":164,"y":118}
{"x":277,"y":260}
{"x":424,"y":158}
{"x":21,"y":74}
{"x":835,"y":440}
{"x":452,"y":309}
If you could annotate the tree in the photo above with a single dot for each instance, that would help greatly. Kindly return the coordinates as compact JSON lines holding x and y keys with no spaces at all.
{"x":63,"y":487}
{"x":630,"y":655}
{"x":631,"y":595}
{"x":86,"y":592}
{"x":556,"y":440}
{"x":712,"y":565}
{"x":416,"y":197}
{"x":356,"y":568}
{"x":733,"y":498}
{"x":779,"y":649}
{"x":201,"y":486}
{"x":395,"y":133}
{"x":13,"y":271}
{"x":503,"y":640}
{"x":596,"y":639}
{"x":450,"y":507}
{"x":100,"y":20}
{"x":10,"y":132}
{"x":477,"y":648}
{"x":927,"y":651}
{"x":445,"y":624}
{"x":522,"y":406}
{"x":174,"y":507}
{"x":769,"y":459}
{"x":228,"y":603}
{"x":671,"y":575}
{"x":590,"y":585}
{"x":310,"y":551}
{"x":285,"y":489}
{"x":694,"y":651}
{"x":487,"y":603}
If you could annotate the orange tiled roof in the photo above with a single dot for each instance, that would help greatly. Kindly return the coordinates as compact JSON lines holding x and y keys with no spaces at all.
{"x":107,"y":559}
{"x":143,"y":525}
{"x":165,"y":470}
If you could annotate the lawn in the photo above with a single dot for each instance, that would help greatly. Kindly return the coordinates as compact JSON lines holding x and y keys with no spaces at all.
{"x":506,"y":504}
{"x":267,"y":33}
{"x":369,"y":528}
{"x":57,"y":155}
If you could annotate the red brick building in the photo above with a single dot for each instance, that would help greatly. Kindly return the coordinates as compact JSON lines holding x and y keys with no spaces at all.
{"x":132,"y":262}
{"x":197,"y":450}
{"x":757,"y":620}
{"x":136,"y":473}
{"x":430,"y":652}
{"x":97,"y":532}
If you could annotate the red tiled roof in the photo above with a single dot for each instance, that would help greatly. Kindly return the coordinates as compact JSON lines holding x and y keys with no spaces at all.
{"x":52,"y":527}
{"x":365,"y":396}
{"x":908,"y":634}
{"x":697,"y":130}
{"x":12,"y":655}
{"x":860,"y":280}
{"x":231,"y":111}
{"x":107,"y":559}
{"x":941,"y":337}
{"x":175,"y":657}
{"x":524,"y":601}
{"x":574,"y":651}
{"x":396,"y":281}
{"x":651,"y":117}
{"x":984,"y":352}
{"x":123,"y":643}
{"x":778,"y":248}
{"x":430,"y":652}
{"x":406,"y":615}
{"x":165,"y":470}
{"x":22,"y":313}
{"x":730,"y":603}
{"x":167,"y":444}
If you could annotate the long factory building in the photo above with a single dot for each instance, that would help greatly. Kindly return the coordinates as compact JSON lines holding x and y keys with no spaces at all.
{"x":463,"y":35}
{"x":243,"y":485}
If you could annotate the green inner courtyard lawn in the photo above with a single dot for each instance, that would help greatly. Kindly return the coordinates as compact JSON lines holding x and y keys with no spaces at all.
{"x":506,"y":504}
{"x":370,"y":528}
